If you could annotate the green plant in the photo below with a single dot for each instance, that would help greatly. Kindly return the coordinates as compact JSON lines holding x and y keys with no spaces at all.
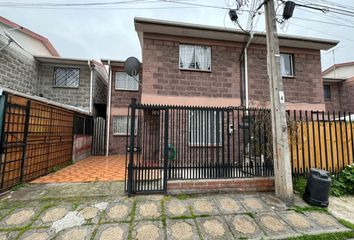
{"x":345,"y":183}
{"x":299,"y":184}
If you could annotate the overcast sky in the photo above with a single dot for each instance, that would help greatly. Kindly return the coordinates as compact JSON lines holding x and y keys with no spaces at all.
{"x":109,"y":33}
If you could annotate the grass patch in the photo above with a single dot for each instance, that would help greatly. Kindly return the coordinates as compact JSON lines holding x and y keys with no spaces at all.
{"x":132,"y":218}
{"x":18,"y":186}
{"x":302,"y":210}
{"x":163,"y":217}
{"x":326,"y":236}
{"x":299,"y":184}
{"x":183,"y":217}
{"x":251,"y":214}
{"x":346,"y":224}
{"x":184,"y":196}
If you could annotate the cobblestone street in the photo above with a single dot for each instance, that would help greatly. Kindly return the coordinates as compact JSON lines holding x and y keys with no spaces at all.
{"x":79,"y":211}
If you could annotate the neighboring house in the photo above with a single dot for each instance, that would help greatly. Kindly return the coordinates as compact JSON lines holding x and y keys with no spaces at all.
{"x":338,"y":86}
{"x":189,"y":64}
{"x":122,"y":88}
{"x":34,"y":66}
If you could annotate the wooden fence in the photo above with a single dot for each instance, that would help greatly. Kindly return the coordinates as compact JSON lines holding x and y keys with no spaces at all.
{"x":36,"y":138}
{"x":322,"y":143}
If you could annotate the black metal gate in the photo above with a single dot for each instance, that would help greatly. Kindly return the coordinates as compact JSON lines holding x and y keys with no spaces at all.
{"x":180,"y":142}
{"x":99,"y":137}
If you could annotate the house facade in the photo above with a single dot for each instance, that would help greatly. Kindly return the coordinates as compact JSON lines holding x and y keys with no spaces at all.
{"x":195,"y":65}
{"x":200,"y":65}
{"x":338,"y":87}
{"x":122,"y":88}
{"x":34,"y":66}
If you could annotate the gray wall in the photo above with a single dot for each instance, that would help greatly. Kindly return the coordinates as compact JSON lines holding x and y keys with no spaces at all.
{"x":18,"y":71}
{"x":77,"y":97}
{"x":99,"y":89}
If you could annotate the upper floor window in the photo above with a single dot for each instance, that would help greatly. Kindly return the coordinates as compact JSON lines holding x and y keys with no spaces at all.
{"x":126,"y":82}
{"x":195,"y":57}
{"x":286,"y":65}
{"x":327,"y":92}
{"x":66,"y":77}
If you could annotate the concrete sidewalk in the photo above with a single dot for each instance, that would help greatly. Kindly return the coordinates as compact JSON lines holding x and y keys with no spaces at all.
{"x":101,"y":211}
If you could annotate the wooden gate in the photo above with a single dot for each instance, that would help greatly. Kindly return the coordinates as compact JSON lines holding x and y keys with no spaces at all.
{"x":99,"y":138}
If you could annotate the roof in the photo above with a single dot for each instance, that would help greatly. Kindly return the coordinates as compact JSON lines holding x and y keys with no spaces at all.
{"x":145,"y":25}
{"x":74,"y":61}
{"x":335,"y":66}
{"x":333,"y":80}
{"x":113,"y":63}
{"x":32,"y":34}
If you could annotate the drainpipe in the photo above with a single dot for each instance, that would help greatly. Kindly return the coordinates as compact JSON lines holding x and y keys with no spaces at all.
{"x":108,"y":107}
{"x":92,"y":68}
{"x":246,"y":69}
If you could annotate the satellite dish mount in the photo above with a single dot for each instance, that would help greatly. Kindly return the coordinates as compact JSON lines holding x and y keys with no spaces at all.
{"x":132,"y":67}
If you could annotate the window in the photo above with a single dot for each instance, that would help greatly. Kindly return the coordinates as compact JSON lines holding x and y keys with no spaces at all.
{"x":205,"y":128}
{"x":126,"y":82}
{"x":66,"y":77}
{"x":327,"y":92}
{"x":286,"y":65}
{"x":120,"y":125}
{"x":194,"y":57}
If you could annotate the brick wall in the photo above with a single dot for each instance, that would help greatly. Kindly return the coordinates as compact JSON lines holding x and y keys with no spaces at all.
{"x":77,"y":97}
{"x":18,"y":71}
{"x":305,"y":87}
{"x":120,"y":101}
{"x":334,"y":103}
{"x":163,"y":77}
{"x":347,"y":96}
{"x":221,"y":185}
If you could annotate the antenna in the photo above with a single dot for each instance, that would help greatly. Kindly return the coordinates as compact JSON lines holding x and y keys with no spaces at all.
{"x":132,"y":67}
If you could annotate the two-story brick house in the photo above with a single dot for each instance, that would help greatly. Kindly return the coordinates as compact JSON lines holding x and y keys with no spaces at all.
{"x":189,"y":64}
{"x":35,"y":67}
{"x":338,"y":87}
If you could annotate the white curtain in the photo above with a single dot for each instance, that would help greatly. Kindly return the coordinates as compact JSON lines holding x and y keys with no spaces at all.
{"x":126,"y":82}
{"x":186,"y":56}
{"x":203,"y":55}
{"x":282,"y":65}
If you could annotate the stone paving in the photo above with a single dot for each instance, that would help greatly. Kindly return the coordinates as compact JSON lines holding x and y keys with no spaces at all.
{"x":101,"y":212}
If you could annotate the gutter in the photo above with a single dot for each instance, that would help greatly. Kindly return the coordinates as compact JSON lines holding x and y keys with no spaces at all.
{"x":92,"y":68}
{"x":246,"y":69}
{"x":108,"y":117}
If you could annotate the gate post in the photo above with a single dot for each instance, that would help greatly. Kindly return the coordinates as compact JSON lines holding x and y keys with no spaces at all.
{"x":131,"y":147}
{"x":165,"y":151}
{"x":25,"y":137}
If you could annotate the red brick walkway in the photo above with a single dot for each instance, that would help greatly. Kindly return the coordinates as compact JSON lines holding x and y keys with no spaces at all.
{"x":92,"y":169}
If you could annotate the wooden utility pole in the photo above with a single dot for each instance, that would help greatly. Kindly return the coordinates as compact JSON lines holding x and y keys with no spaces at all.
{"x":282,"y":167}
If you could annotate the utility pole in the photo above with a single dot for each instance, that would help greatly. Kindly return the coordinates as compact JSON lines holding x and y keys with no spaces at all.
{"x":282,"y":167}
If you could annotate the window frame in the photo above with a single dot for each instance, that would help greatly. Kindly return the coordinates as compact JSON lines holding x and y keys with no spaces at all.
{"x":194,"y":142}
{"x":291,"y":65}
{"x":116,"y":87}
{"x":67,"y":68}
{"x":127,"y":118}
{"x":330,"y":92}
{"x":194,"y":69}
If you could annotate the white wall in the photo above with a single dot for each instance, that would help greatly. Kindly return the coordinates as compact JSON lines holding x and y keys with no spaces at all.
{"x":32,"y":45}
{"x":341,"y":72}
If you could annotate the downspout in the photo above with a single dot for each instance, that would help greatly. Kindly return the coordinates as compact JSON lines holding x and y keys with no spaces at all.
{"x":246,"y":69}
{"x":92,"y":68}
{"x":108,"y":117}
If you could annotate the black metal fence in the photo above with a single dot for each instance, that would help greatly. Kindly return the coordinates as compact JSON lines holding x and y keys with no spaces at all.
{"x":180,"y":142}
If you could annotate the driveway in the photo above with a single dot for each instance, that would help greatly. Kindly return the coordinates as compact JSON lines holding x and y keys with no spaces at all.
{"x":99,"y":210}
{"x":91,"y":169}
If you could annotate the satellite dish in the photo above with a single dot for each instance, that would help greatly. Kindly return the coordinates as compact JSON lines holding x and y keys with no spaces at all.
{"x":132,"y":66}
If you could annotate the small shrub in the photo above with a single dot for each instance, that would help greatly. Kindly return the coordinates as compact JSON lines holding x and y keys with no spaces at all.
{"x":345,"y":183}
{"x":299,"y":184}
